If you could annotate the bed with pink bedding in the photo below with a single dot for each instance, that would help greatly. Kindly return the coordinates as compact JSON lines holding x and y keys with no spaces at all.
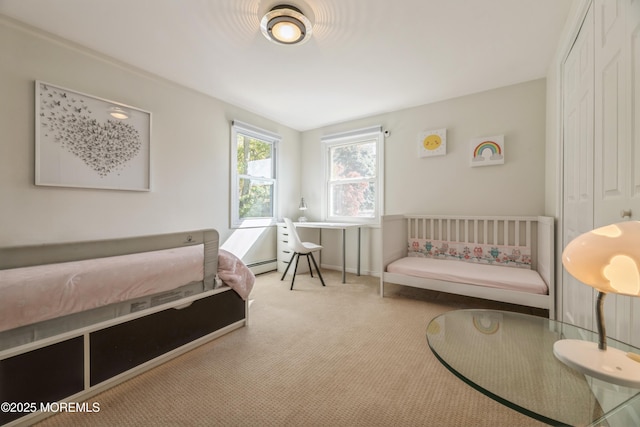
{"x":501,"y":258}
{"x":34,"y":294}
{"x":102,"y":311}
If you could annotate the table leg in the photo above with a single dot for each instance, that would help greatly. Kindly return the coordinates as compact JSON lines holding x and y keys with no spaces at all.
{"x":344,"y":256}
{"x":358,"y":251}
{"x":320,"y":243}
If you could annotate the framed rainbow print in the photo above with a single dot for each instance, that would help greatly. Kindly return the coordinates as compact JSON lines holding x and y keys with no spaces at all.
{"x":432,"y":143}
{"x":487,"y":151}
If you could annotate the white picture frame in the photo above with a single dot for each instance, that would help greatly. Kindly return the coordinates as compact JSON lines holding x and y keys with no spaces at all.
{"x":432,"y":143}
{"x":487,"y":151}
{"x":89,"y":142}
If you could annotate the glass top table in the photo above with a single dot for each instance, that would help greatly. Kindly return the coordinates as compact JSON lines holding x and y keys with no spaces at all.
{"x":509,"y":357}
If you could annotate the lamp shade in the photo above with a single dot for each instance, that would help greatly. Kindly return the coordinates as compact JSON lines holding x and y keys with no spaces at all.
{"x":607,"y":258}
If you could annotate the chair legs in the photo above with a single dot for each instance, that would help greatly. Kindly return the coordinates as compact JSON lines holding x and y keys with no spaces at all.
{"x":309,"y":262}
{"x":296,"y":255}
{"x":289,"y":265}
{"x":310,"y":254}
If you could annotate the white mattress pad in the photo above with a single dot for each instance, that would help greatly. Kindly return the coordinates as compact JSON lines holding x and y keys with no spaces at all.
{"x":494,"y":276}
{"x":34,"y":294}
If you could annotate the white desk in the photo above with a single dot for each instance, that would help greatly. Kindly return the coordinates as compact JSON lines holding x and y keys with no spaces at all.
{"x":336,"y":226}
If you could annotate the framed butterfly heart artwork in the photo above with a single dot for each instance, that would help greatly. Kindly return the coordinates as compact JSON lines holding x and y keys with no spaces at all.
{"x":89,"y":142}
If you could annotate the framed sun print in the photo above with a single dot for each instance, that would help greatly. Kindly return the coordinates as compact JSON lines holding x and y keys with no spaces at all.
{"x":89,"y":142}
{"x":432,"y":143}
{"x":487,"y":151}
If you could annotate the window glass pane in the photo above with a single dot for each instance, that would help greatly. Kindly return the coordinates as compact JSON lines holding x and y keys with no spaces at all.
{"x":353,"y":199}
{"x":353,"y":161}
{"x":254,"y":157}
{"x":255,"y":199}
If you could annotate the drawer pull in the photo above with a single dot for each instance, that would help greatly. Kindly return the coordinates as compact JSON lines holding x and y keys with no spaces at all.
{"x":182,"y":306}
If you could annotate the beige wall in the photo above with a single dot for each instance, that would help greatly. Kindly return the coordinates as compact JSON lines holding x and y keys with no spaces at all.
{"x":447,"y":184}
{"x":189,"y":151}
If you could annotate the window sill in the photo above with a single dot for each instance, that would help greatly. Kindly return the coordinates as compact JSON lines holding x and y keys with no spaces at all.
{"x":255,"y":223}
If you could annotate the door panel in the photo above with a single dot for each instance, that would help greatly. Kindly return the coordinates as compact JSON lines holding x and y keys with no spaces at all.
{"x":617,"y":180}
{"x":612,"y":161}
{"x":601,"y":117}
{"x":578,"y":114}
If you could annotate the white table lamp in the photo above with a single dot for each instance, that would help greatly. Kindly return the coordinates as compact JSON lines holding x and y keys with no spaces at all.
{"x":607,"y":259}
{"x":302,"y":207}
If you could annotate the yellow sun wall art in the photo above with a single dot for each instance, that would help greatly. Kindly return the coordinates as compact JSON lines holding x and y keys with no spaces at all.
{"x":432,"y":143}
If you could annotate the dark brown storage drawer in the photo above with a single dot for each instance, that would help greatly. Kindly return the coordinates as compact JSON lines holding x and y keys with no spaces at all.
{"x":45,"y":375}
{"x":118,"y":348}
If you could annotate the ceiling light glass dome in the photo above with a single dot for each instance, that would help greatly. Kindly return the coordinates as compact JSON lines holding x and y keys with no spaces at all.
{"x":285,"y":24}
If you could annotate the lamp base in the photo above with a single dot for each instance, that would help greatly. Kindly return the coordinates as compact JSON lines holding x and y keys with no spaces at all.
{"x":610,"y":365}
{"x":302,"y":219}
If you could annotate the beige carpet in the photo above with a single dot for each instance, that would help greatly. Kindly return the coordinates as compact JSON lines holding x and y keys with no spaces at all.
{"x":334,"y":356}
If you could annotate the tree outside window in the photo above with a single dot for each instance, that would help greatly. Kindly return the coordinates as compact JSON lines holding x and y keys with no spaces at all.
{"x":254,"y":181}
{"x":354,"y":175}
{"x":256,"y":178}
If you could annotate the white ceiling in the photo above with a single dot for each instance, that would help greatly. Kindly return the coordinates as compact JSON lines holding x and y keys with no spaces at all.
{"x":365,"y":57}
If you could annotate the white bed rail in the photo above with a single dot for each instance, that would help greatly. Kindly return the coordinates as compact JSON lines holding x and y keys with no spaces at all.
{"x":24,"y":256}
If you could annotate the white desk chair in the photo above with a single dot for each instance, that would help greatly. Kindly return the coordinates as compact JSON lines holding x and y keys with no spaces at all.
{"x":300,"y":248}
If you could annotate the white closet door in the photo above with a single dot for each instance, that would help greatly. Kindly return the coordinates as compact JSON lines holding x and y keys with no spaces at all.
{"x":617,"y":164}
{"x":612,"y":148}
{"x":633,"y":67}
{"x":578,"y":111}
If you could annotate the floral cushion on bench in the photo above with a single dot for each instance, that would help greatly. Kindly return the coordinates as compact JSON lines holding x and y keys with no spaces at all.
{"x":509,"y":256}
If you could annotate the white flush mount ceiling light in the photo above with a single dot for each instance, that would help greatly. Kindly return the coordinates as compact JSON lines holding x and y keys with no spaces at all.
{"x":285,"y":24}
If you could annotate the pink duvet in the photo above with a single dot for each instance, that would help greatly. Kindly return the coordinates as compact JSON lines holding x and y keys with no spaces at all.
{"x":34,"y":294}
{"x":235,"y":274}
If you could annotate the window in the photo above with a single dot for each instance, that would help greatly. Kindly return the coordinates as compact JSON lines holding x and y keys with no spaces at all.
{"x":254,"y":184}
{"x":354,"y":175}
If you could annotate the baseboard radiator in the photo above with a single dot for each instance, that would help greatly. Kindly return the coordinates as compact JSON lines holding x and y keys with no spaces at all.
{"x":263,"y":266}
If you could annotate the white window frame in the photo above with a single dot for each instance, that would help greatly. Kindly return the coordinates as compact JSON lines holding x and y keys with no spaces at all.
{"x":350,"y":138}
{"x":241,"y":128}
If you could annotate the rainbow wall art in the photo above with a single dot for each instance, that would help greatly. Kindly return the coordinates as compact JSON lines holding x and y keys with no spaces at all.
{"x":487,"y":151}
